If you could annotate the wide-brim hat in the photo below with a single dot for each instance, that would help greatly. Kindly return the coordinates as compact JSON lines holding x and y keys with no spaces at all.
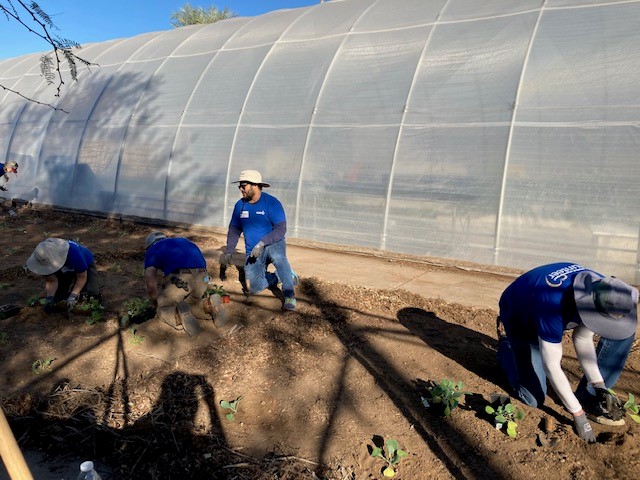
{"x":49,"y":256}
{"x":606,"y":305}
{"x":251,"y":176}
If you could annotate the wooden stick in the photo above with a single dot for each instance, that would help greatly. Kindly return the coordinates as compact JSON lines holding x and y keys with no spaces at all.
{"x":10,"y":452}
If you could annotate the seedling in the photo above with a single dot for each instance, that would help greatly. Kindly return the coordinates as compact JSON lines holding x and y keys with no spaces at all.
{"x":215,"y":289}
{"x":233,"y":406}
{"x":39,"y":366}
{"x":138,"y":309}
{"x":632,"y":408}
{"x":4,"y":338}
{"x":506,"y":415}
{"x":392,"y":456}
{"x":93,"y":306}
{"x":135,"y":339}
{"x":446,"y":394}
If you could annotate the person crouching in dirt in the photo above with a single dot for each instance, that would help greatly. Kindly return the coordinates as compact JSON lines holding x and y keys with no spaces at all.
{"x":537,"y":308}
{"x":180,"y":301}
{"x":68,"y":269}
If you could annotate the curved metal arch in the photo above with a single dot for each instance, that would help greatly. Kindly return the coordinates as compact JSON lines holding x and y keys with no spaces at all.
{"x":186,"y":107}
{"x":225,"y":218}
{"x":383,"y":239}
{"x":296,"y":221}
{"x":507,"y":155}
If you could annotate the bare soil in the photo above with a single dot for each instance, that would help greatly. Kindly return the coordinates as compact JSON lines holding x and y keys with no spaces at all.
{"x":320,"y":386}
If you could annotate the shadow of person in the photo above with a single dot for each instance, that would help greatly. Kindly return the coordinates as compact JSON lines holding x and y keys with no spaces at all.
{"x":473,"y":350}
{"x":178,"y":432}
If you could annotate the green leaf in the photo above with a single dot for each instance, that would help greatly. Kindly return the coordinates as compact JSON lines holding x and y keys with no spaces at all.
{"x":392,"y":446}
{"x":501,"y":419}
{"x":512,"y":432}
{"x":376,"y":452}
{"x":636,"y":418}
{"x":489,"y":409}
{"x":225,"y":404}
{"x":230,"y":417}
{"x":519,"y":415}
{"x":401,"y":454}
{"x":389,"y":472}
{"x":509,"y":408}
{"x":447,"y":411}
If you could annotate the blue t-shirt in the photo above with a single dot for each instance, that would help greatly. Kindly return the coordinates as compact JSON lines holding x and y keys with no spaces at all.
{"x":540,"y":303}
{"x":171,"y":254}
{"x":78,"y":259}
{"x":257,"y":219}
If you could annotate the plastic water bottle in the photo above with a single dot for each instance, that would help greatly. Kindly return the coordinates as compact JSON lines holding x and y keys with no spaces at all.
{"x":87,"y":472}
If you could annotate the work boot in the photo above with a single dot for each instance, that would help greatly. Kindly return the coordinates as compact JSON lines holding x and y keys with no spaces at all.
{"x":189,"y":322}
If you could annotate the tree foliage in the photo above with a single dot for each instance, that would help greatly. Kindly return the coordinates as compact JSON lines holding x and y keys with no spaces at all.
{"x":189,"y":15}
{"x":39,"y":23}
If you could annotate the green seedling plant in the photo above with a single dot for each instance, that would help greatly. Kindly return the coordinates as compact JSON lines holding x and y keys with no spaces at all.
{"x":215,"y":289}
{"x":506,"y":416}
{"x":136,"y":307}
{"x":632,"y":408}
{"x":134,"y":338}
{"x":447,"y":394}
{"x":4,"y":338}
{"x":233,"y":406}
{"x":392,"y":456}
{"x":35,"y":300}
{"x":39,"y":366}
{"x":93,"y":306}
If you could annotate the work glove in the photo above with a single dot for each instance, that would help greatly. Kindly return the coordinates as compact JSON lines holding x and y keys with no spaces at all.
{"x":49,"y":305}
{"x":71,"y":301}
{"x":583,"y":428}
{"x":257,"y":250}
{"x":610,"y":404}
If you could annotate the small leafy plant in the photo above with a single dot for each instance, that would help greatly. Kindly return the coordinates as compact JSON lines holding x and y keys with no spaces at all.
{"x":632,"y":408}
{"x":233,"y":406}
{"x":93,"y":307}
{"x":392,"y":456}
{"x":39,"y":366}
{"x":134,"y":338}
{"x":35,"y":300}
{"x":506,"y":416}
{"x":215,"y":289}
{"x":137,"y":308}
{"x":446,"y":394}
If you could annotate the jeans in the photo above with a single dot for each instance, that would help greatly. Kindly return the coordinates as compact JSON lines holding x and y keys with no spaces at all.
{"x":522,"y":363}
{"x":259,"y":278}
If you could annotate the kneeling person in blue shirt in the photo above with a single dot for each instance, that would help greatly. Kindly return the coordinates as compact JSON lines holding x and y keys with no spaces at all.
{"x":535,"y":311}
{"x":68,"y":269}
{"x":261,"y":219}
{"x":180,"y":300}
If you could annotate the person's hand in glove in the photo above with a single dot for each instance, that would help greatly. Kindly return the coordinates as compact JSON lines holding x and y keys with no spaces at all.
{"x":49,"y":305}
{"x":610,"y":404}
{"x":257,"y":250}
{"x":71,"y":301}
{"x":583,"y":428}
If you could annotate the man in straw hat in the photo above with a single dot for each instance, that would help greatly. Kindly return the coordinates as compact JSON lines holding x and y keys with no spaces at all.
{"x":537,"y":308}
{"x":68,"y":269}
{"x":180,"y":301}
{"x":261,"y":219}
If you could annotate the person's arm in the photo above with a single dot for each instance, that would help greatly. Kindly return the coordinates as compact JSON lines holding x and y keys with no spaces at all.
{"x":233,"y":235}
{"x":151,"y":282}
{"x":81,"y":281}
{"x":50,"y":285}
{"x":551,"y":361}
{"x":277,"y":234}
{"x":586,"y":353}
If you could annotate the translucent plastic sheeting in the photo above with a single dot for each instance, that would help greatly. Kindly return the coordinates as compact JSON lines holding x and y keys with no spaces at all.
{"x":499,"y":132}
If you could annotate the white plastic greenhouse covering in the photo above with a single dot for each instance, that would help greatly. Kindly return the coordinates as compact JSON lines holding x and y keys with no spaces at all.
{"x":500,"y":132}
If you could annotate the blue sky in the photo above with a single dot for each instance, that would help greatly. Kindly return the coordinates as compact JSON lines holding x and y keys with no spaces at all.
{"x":96,"y":20}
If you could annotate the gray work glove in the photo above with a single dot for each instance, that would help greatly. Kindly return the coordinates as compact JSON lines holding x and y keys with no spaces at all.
{"x":71,"y":301}
{"x":257,"y":250}
{"x":583,"y":428}
{"x":610,"y":404}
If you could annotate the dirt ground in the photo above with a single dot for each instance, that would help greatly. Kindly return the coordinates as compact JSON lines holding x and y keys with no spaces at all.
{"x":320,"y":386}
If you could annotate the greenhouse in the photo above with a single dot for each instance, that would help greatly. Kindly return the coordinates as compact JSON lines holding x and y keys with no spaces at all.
{"x":500,"y":132}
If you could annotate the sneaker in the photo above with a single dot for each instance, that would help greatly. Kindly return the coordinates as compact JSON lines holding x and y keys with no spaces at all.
{"x":189,"y":322}
{"x":596,"y":412}
{"x":289,"y":304}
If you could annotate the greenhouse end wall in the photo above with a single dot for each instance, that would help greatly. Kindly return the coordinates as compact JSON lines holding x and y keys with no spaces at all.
{"x":502,"y":132}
